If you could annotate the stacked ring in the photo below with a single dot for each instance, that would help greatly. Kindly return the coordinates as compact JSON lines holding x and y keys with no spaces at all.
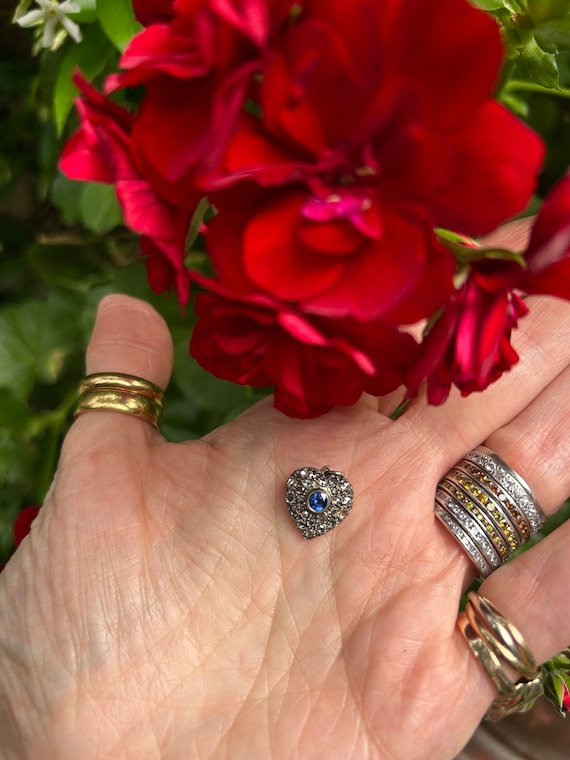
{"x":118,"y":392}
{"x":496,"y":642}
{"x":488,"y":508}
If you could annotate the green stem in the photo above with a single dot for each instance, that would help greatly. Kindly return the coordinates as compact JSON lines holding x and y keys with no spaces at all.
{"x":522,"y":86}
{"x":506,"y":73}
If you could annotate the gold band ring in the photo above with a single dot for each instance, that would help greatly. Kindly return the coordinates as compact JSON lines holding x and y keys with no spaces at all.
{"x":496,"y":643}
{"x":118,"y":392}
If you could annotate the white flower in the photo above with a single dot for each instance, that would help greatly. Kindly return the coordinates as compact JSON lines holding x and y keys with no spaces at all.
{"x":51,"y":14}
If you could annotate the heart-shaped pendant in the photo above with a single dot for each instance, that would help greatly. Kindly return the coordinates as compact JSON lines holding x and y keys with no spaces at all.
{"x":318,"y":500}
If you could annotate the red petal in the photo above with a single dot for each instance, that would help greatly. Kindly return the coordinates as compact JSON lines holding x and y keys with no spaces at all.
{"x":276,"y":260}
{"x":442,"y":53}
{"x":497,"y":160}
{"x":23,"y":523}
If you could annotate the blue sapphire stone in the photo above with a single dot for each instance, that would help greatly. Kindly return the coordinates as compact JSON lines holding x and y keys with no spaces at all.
{"x":318,"y":501}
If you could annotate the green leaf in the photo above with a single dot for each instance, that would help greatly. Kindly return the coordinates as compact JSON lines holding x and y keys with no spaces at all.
{"x":545,"y":10}
{"x":554,"y":36}
{"x":66,"y":195}
{"x":90,"y":57}
{"x":197,"y":219}
{"x":118,"y":21}
{"x":222,"y":399}
{"x":488,"y":5}
{"x":16,"y":456}
{"x":88,"y":12}
{"x":14,"y":413}
{"x":35,"y":339}
{"x":100,"y":210}
{"x":75,"y":266}
{"x":538,"y":66}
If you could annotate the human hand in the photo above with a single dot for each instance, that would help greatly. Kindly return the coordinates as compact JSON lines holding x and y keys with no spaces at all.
{"x":165,"y":605}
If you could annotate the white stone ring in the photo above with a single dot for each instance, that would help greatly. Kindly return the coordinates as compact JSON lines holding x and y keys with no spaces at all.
{"x":488,"y":508}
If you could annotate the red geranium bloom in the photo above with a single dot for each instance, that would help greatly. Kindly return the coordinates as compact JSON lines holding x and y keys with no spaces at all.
{"x":314,"y":363}
{"x":469,"y":345}
{"x":354,"y":105}
{"x":102,"y":150}
{"x":371,"y":153}
{"x":23,"y":523}
{"x":197,"y":68}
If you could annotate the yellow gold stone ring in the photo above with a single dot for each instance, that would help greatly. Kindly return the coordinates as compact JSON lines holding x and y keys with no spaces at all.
{"x":488,"y":508}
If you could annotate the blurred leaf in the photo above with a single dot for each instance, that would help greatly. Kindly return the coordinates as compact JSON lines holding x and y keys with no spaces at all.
{"x":488,"y":5}
{"x":544,"y":10}
{"x":100,"y":210}
{"x":88,"y":12}
{"x":14,"y":413}
{"x":35,"y":339}
{"x":16,"y":459}
{"x":90,"y":57}
{"x":204,"y":390}
{"x":554,"y":36}
{"x":538,"y":66}
{"x":181,"y":419}
{"x":196,"y":223}
{"x":118,"y":21}
{"x":66,"y":195}
{"x":74,"y":266}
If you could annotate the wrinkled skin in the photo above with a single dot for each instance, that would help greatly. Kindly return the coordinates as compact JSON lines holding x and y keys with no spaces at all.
{"x":165,"y":605}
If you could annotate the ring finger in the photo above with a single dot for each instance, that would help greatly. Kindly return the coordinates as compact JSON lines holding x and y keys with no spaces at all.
{"x":535,"y":444}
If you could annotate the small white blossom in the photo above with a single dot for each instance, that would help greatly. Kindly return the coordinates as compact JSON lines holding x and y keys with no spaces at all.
{"x":51,"y":14}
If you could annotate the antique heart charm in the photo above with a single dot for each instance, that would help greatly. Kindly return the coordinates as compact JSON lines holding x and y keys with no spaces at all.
{"x":318,"y":500}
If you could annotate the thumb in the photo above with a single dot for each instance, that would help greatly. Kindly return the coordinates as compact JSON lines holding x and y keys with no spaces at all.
{"x":128,"y":337}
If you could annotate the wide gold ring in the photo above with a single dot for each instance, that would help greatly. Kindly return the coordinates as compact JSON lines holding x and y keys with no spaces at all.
{"x":118,"y":392}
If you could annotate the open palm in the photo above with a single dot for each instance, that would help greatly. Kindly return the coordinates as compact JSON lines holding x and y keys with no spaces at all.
{"x":166,"y":606}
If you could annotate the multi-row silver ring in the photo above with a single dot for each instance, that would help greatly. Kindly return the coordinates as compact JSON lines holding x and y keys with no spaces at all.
{"x":488,"y":508}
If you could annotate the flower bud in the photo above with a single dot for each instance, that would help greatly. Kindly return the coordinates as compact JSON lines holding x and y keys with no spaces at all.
{"x":557,"y":690}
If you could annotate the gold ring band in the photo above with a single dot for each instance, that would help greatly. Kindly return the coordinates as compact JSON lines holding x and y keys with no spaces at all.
{"x":496,"y":642}
{"x":121,"y":381}
{"x":118,"y":392}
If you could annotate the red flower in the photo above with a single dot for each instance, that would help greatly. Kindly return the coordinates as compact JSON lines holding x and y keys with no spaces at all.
{"x":314,"y":363}
{"x":469,"y":345}
{"x":353,"y":106}
{"x":197,"y":69}
{"x":23,"y":523}
{"x":261,"y":236}
{"x":102,"y":150}
{"x":371,"y":153}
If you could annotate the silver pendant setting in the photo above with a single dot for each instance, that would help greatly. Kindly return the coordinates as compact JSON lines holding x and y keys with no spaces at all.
{"x":318,"y":500}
